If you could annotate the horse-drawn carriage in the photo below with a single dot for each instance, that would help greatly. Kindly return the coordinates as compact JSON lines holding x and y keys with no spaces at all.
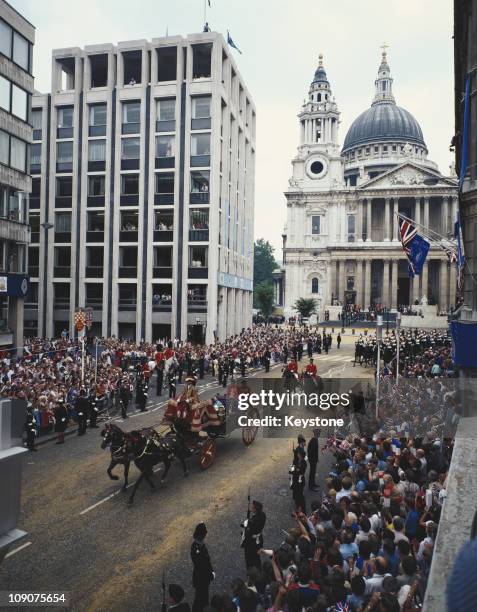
{"x":189,"y":427}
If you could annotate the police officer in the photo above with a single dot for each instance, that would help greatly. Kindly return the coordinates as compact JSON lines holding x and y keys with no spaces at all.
{"x":93,"y":409}
{"x":125,"y":397}
{"x":82,"y":409}
{"x":202,"y":573}
{"x":297,"y":483}
{"x":252,"y":537}
{"x":30,"y":428}
{"x":61,"y":420}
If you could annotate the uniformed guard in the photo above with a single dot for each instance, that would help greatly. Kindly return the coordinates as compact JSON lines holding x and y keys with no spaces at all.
{"x":203,"y":573}
{"x":125,"y":397}
{"x":143,"y":392}
{"x":82,"y":409}
{"x":61,"y":420}
{"x":30,"y":428}
{"x":297,"y":480}
{"x":159,"y":378}
{"x":252,"y":537}
{"x":172,"y":382}
{"x":93,"y":409}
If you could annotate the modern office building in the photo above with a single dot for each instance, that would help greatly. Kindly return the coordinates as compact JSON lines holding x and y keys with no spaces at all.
{"x":341,"y":240}
{"x":17,"y":37}
{"x":143,"y":191}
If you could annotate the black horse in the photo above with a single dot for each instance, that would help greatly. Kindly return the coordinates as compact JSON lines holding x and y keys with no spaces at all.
{"x":114,"y":437}
{"x":291,"y":381}
{"x":149,"y":449}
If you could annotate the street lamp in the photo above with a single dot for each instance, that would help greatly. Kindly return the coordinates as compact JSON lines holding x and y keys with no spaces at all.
{"x":398,"y":340}
{"x":379,"y":334}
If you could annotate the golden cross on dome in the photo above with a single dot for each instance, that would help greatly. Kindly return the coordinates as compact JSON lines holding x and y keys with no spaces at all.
{"x":383,"y":47}
{"x":320,"y":59}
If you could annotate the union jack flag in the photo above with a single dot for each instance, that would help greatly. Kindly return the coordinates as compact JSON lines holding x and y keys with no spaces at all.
{"x":415,"y":247}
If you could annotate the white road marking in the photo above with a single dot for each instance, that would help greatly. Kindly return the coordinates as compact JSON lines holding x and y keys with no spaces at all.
{"x":15,"y":550}
{"x":102,"y":501}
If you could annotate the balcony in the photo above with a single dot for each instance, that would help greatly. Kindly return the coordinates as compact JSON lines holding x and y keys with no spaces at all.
{"x":165,"y":162}
{"x":162,"y":272}
{"x":201,"y":235}
{"x":166,"y":199}
{"x":62,"y":236}
{"x":62,"y":271}
{"x":166,"y":126}
{"x":13,"y":230}
{"x":95,"y":236}
{"x":94,"y":271}
{"x":199,"y":161}
{"x":198,"y":272}
{"x":63,"y":201}
{"x":203,"y":123}
{"x":163,"y":236}
{"x":199,"y":197}
{"x":95,"y":200}
{"x":128,"y":235}
{"x":127,"y":272}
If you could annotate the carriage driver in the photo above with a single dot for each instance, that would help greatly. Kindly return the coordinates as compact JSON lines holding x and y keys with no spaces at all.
{"x":293,"y":366}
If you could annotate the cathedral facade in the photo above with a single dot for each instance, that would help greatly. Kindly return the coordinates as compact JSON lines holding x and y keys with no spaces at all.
{"x":341,"y":241}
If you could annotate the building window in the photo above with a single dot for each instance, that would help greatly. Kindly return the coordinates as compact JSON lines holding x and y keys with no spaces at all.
{"x":200,"y":144}
{"x":201,"y":107}
{"x":36,"y":119}
{"x":199,"y":219}
{"x":19,"y":103}
{"x":5,"y":93}
{"x":95,"y":222}
{"x":65,"y":116}
{"x":130,"y":148}
{"x":315,"y":287}
{"x":129,"y":184}
{"x":97,"y":150}
{"x":165,"y":182}
{"x":165,"y":146}
{"x":201,"y":60}
{"x":63,"y":222}
{"x":129,"y":221}
{"x":166,"y":110}
{"x":166,"y":64}
{"x":4,"y":147}
{"x":18,"y":154}
{"x":132,"y":116}
{"x":351,"y":228}
{"x":64,"y":152}
{"x":21,"y":51}
{"x":315,"y":224}
{"x":97,"y":114}
{"x":5,"y":39}
{"x":198,"y":257}
{"x":96,"y":185}
{"x":35,"y":154}
{"x":64,"y":187}
{"x":199,"y":181}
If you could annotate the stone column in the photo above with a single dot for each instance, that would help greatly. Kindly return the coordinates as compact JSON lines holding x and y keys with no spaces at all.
{"x":358,"y":282}
{"x":367,"y":284}
{"x":425,"y":280}
{"x":342,"y":280}
{"x":417,"y":210}
{"x":394,"y":282}
{"x":452,"y":284}
{"x":443,"y":286}
{"x":368,"y":221}
{"x":445,"y":215}
{"x":426,"y":212}
{"x":415,"y":288}
{"x":385,"y":295}
{"x":395,"y":219}
{"x":334,"y":265}
{"x":359,"y":222}
{"x":387,"y":211}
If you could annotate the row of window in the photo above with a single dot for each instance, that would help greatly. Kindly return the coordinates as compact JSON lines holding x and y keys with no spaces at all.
{"x":14,"y":99}
{"x":13,"y":151}
{"x":351,"y":226}
{"x":16,"y":47}
{"x":131,"y":113}
{"x":382,"y":149}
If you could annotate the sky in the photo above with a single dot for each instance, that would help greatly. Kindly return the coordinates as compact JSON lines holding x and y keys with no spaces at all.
{"x":280,"y":42}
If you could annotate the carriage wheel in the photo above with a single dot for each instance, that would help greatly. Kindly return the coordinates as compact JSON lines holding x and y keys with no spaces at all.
{"x":207,"y":455}
{"x":250,"y":433}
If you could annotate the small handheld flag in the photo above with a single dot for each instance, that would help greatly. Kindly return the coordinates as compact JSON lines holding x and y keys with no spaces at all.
{"x":231,"y":43}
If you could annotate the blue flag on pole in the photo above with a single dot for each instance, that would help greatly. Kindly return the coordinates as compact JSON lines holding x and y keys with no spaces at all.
{"x":231,"y":42}
{"x":460,"y":257}
{"x":464,"y":153}
{"x":415,"y":247}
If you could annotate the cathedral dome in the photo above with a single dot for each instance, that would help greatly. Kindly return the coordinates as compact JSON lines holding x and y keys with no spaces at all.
{"x":383,"y":122}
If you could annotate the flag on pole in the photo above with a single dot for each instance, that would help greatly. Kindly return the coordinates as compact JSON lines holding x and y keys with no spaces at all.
{"x":415,"y":247}
{"x":460,"y":257}
{"x":231,"y":43}
{"x":464,"y":152}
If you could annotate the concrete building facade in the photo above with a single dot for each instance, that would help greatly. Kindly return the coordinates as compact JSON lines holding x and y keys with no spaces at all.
{"x":341,"y":240}
{"x":17,"y":37}
{"x":143,"y":191}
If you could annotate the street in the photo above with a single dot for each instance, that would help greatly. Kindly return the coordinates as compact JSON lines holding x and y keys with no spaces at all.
{"x":85,"y":539}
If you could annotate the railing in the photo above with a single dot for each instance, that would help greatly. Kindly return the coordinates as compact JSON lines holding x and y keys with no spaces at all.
{"x":94,"y":271}
{"x":199,"y":235}
{"x":199,"y":197}
{"x":127,"y":271}
{"x":95,"y":236}
{"x":62,"y":271}
{"x":162,"y":272}
{"x":198,"y":272}
{"x":127,"y":303}
{"x":163,"y":235}
{"x":128,"y":235}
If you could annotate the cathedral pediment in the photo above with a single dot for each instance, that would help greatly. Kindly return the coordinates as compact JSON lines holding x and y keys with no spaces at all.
{"x":408,"y":175}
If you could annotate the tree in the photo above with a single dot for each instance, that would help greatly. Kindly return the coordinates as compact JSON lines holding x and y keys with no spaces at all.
{"x":306,"y":306}
{"x":263,"y":263}
{"x":264,"y":297}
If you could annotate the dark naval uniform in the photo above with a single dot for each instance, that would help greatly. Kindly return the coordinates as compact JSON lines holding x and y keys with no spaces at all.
{"x":30,"y":428}
{"x":93,"y":410}
{"x":202,"y":575}
{"x":253,"y":538}
{"x":125,"y":396}
{"x":82,"y":409}
{"x":142,"y":397}
{"x":297,"y":484}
